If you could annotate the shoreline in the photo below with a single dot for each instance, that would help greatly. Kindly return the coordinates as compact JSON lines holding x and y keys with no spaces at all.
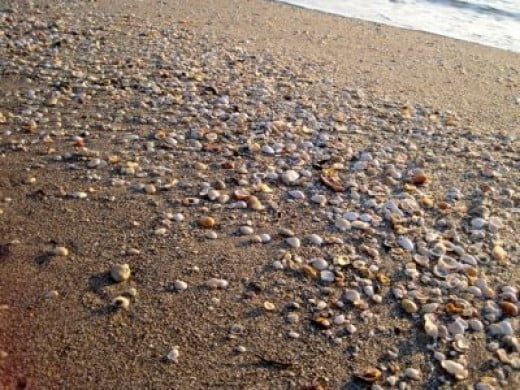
{"x":481,"y":84}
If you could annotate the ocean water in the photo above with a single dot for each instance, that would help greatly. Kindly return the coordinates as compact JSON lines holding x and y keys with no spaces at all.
{"x":488,"y":22}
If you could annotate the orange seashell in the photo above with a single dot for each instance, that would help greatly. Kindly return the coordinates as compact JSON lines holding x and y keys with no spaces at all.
{"x":207,"y":222}
{"x":454,"y":308}
{"x":509,"y":308}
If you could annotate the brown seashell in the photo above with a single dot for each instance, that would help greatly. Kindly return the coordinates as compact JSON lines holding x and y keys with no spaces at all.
{"x":228,"y":164}
{"x":241,"y":195}
{"x":207,"y":222}
{"x":322,"y":322}
{"x":419,"y":179}
{"x":79,"y":144}
{"x":309,"y":271}
{"x":443,"y":205}
{"x":509,"y":308}
{"x":370,"y":375}
{"x":454,"y":308}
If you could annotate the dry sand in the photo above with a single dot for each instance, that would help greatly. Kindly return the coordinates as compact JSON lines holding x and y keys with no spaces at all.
{"x":78,"y":341}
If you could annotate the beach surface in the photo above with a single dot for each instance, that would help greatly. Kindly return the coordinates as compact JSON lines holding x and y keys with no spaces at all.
{"x":245,"y":194}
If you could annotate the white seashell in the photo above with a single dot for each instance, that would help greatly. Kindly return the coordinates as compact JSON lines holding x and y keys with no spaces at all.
{"x":327,"y":276}
{"x":290,"y":177}
{"x":173,"y":355}
{"x":211,"y":235}
{"x":478,"y":223}
{"x":296,"y":194}
{"x":406,"y":244}
{"x":180,"y":285}
{"x":246,"y":230}
{"x":430,"y":327}
{"x":458,"y":326}
{"x":265,"y":238}
{"x":342,"y":224}
{"x":351,"y":216}
{"x":352,"y":296}
{"x":320,"y":264}
{"x":339,"y":319}
{"x":360,"y":225}
{"x":315,"y":239}
{"x":503,"y":328}
{"x":293,"y":242}
{"x":215,"y":283}
{"x":454,"y":368}
{"x":476,"y":325}
{"x":412,"y":373}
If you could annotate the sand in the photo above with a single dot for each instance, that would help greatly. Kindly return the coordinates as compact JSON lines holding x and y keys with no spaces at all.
{"x":77,"y":340}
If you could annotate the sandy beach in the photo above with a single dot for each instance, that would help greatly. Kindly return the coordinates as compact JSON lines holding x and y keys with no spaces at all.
{"x":244,"y":194}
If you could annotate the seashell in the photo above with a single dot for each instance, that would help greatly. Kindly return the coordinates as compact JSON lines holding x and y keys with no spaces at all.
{"x":215,"y":283}
{"x":449,"y":263}
{"x":327,"y":276}
{"x":149,"y":189}
{"x":430,"y":307}
{"x":419,"y":178}
{"x":207,"y":222}
{"x":290,"y":177}
{"x":412,"y":373}
{"x":454,"y":368}
{"x":331,"y":179}
{"x":383,"y":279}
{"x":421,"y":260}
{"x":246,"y":230}
{"x":320,"y":264}
{"x":60,"y":251}
{"x":438,"y":250}
{"x":315,"y":239}
{"x":173,"y":355}
{"x":461,"y":345}
{"x":269,"y":306}
{"x":440,"y":271}
{"x":341,"y":260}
{"x":309,"y":271}
{"x":254,"y":204}
{"x":406,"y":244}
{"x":120,"y":272}
{"x":409,"y":306}
{"x":369,"y":375}
{"x":454,"y":308}
{"x":430,"y":327}
{"x":352,"y":295}
{"x":121,"y":302}
{"x":180,"y":285}
{"x":322,"y":322}
{"x":499,"y":253}
{"x":509,"y":308}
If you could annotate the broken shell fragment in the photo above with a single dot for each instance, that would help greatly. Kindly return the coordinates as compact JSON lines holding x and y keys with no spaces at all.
{"x":370,"y":375}
{"x":121,"y":302}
